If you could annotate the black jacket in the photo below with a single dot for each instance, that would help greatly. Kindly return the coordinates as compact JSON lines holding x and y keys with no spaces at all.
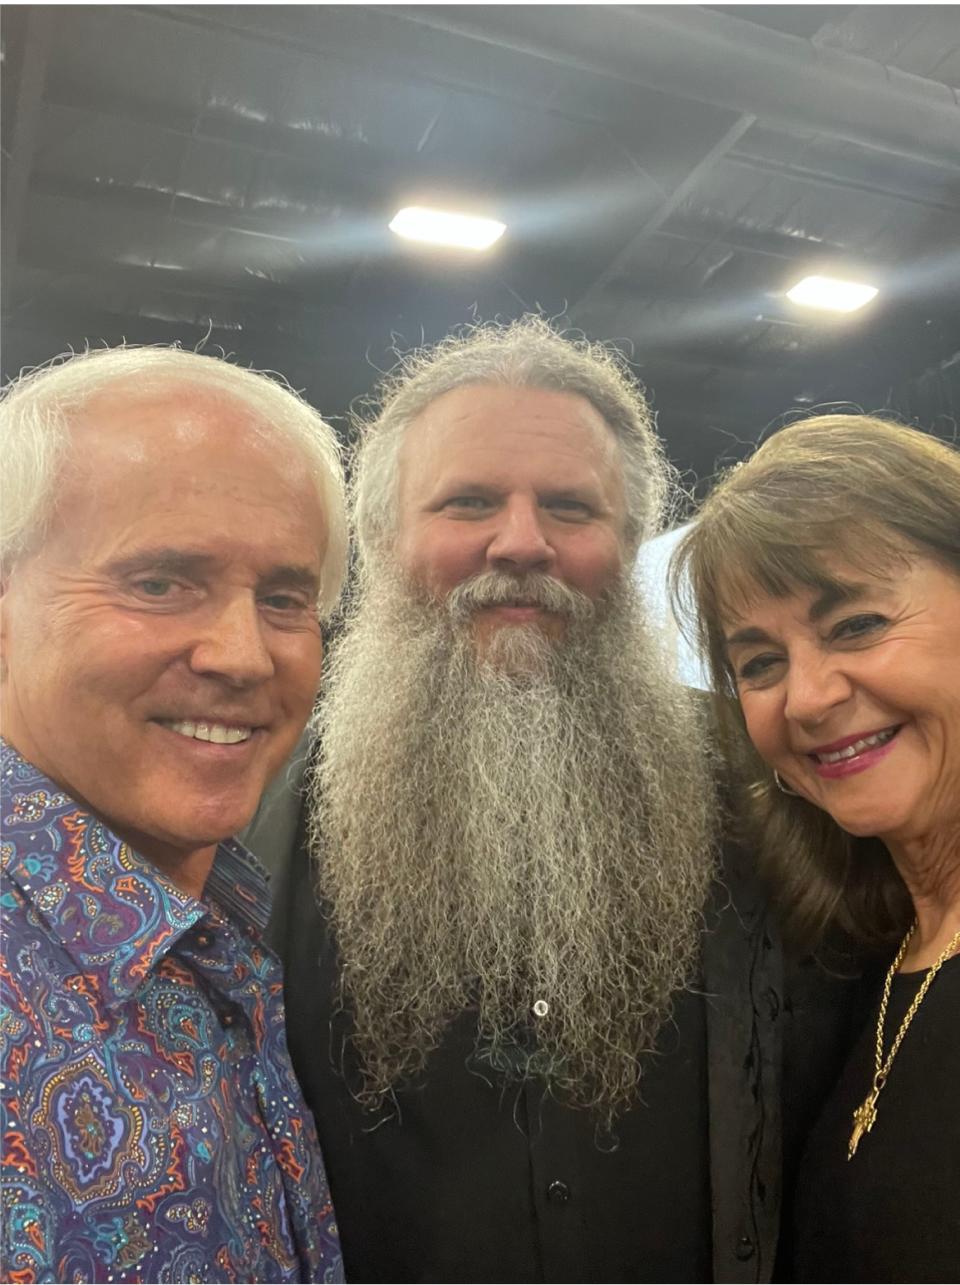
{"x":470,"y":1179}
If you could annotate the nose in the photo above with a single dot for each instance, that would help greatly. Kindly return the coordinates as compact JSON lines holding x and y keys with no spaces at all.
{"x":816,"y":685}
{"x":519,"y":542}
{"x":231,"y":644}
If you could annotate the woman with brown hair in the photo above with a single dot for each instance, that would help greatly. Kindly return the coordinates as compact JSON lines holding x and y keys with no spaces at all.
{"x":826,"y":575}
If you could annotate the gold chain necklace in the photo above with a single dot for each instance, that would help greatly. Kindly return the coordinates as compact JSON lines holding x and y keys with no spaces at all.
{"x":866,"y":1114}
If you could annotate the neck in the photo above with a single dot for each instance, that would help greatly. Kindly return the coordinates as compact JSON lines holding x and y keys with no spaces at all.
{"x":189,"y":871}
{"x":931,"y":871}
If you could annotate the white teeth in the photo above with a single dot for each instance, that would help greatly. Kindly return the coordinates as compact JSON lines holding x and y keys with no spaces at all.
{"x":850,"y":751}
{"x":217,"y":733}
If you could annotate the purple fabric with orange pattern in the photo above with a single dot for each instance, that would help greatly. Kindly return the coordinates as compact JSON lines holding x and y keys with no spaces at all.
{"x":153,"y":1129}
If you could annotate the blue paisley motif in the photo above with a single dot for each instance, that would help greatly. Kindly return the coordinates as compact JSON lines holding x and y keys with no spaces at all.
{"x":153,"y":1127}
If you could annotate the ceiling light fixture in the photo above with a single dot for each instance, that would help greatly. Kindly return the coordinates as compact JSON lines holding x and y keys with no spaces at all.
{"x":441,"y":227}
{"x":831,"y":294}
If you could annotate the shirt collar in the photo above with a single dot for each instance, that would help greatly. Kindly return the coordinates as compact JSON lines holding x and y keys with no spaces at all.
{"x":114,"y":912}
{"x":240,"y":885}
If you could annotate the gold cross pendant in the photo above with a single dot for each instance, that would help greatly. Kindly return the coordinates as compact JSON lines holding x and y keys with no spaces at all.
{"x":863,"y":1119}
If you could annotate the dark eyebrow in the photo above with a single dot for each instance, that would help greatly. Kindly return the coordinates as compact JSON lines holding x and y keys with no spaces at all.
{"x":582,"y":494}
{"x":834,"y":595}
{"x":456,"y":484}
{"x":165,"y":559}
{"x":749,"y":635}
{"x":291,"y":577}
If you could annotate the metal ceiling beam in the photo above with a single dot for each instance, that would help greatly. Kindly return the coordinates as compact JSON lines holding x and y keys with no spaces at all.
{"x":728,"y":63}
{"x":846,"y":183}
{"x":283,"y":228}
{"x":399,"y":53}
{"x":622,"y":258}
{"x":746,"y":240}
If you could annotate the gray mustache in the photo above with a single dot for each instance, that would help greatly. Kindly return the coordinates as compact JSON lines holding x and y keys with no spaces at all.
{"x":496,"y":588}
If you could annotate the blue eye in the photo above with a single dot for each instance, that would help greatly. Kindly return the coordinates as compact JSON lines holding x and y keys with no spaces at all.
{"x":283,"y":602}
{"x":858,"y":626}
{"x":758,"y":666}
{"x":468,"y":503}
{"x":568,"y":508}
{"x":155,"y":587}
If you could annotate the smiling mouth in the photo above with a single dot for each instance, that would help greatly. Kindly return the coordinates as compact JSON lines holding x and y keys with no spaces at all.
{"x":872,"y":742}
{"x":215,"y":733}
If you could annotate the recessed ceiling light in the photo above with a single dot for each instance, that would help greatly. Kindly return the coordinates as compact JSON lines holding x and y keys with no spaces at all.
{"x":828,"y":292}
{"x":440,"y":227}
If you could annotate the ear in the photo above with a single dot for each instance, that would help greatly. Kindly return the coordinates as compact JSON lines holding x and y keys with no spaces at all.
{"x":4,"y":584}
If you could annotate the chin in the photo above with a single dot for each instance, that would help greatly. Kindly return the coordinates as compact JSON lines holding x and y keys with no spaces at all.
{"x":858,"y":829}
{"x":869,"y":826}
{"x":204,"y":830}
{"x":516,"y":650}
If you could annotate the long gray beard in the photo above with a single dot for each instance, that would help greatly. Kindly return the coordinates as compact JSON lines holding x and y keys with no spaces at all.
{"x":490,"y":835}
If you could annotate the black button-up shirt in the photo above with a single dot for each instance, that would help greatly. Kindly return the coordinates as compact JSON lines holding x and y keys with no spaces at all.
{"x":474,"y":1179}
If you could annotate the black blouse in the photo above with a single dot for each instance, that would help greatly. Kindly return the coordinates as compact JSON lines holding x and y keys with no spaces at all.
{"x":892,"y":1212}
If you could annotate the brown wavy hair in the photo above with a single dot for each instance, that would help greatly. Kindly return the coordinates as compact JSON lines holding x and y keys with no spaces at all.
{"x":874,"y":494}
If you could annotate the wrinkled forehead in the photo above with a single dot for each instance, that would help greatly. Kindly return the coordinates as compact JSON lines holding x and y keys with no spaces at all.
{"x":171,"y":413}
{"x":508,"y":418}
{"x":511,"y":441}
{"x":175,"y":448}
{"x":178,"y":428}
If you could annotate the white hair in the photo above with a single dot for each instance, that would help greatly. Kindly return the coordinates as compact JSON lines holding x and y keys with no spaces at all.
{"x":528,"y":353}
{"x":35,"y":412}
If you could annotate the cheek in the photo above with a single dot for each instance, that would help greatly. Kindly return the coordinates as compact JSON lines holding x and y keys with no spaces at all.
{"x":124,"y":655}
{"x":765,"y":727}
{"x":441,"y":561}
{"x":299,"y":664}
{"x":591,"y":566}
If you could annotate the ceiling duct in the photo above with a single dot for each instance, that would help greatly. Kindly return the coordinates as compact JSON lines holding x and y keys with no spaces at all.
{"x":728,"y":63}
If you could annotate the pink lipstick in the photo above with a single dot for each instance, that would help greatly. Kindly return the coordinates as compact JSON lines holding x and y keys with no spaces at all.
{"x":853,"y":753}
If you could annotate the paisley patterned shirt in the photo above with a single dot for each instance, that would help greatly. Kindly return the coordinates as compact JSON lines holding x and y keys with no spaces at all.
{"x":153,"y":1128}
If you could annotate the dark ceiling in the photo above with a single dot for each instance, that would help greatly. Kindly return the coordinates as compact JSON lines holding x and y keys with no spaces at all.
{"x":666,"y":173}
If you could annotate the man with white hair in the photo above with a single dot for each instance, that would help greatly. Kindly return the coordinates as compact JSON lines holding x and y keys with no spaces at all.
{"x":173,"y":530}
{"x":539,"y":1040}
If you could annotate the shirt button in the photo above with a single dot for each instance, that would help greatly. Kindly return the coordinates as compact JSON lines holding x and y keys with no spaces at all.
{"x":558,"y":1192}
{"x":744,"y":1249}
{"x":541,"y":1008}
{"x":227,"y":1019}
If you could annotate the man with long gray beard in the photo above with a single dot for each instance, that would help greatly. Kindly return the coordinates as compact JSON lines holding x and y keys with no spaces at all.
{"x":538,"y":1032}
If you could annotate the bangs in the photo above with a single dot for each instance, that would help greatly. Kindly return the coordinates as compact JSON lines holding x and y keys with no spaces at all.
{"x":779,"y":555}
{"x":735,"y":558}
